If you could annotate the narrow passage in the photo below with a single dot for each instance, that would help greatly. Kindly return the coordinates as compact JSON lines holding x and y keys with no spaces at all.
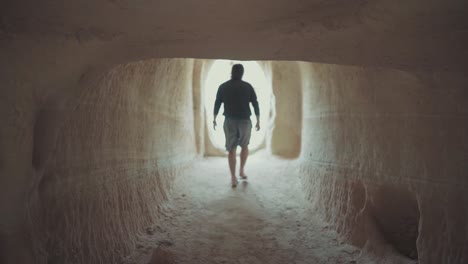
{"x":266,"y":219}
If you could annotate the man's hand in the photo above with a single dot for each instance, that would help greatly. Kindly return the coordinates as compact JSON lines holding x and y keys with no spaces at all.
{"x":257,"y":126}
{"x":214,"y":122}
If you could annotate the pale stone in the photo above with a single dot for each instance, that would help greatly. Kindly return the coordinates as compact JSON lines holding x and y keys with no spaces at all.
{"x":95,"y":131}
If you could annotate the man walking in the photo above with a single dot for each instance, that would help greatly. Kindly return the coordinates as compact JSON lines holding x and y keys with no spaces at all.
{"x":236,"y":96}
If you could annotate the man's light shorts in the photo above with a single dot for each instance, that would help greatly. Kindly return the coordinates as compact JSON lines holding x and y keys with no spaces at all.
{"x":237,"y":132}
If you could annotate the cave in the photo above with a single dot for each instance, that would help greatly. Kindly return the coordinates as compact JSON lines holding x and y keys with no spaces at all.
{"x":107,"y":154}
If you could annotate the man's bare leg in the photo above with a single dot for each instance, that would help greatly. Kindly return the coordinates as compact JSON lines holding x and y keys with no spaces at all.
{"x":243,"y":157}
{"x":232,"y":166}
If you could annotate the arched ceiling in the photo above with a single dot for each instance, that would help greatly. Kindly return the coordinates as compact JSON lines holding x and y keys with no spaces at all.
{"x":409,"y":34}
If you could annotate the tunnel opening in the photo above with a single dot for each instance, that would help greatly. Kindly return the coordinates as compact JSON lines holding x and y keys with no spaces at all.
{"x":219,"y":72}
{"x":129,"y":136}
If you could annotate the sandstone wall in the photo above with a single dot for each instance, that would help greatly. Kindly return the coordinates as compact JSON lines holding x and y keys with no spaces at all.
{"x":384,"y":159}
{"x":102,"y":163}
{"x":285,"y":138}
{"x":367,"y":134}
{"x":383,"y":156}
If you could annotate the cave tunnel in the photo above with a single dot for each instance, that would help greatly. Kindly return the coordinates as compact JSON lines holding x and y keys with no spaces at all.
{"x":107,"y":154}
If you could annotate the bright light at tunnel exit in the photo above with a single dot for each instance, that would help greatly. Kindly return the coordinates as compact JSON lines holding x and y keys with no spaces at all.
{"x":219,"y":73}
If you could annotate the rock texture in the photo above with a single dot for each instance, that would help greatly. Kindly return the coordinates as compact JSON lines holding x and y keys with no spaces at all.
{"x":286,"y":133}
{"x":384,"y":153}
{"x":101,"y":164}
{"x":94,"y":130}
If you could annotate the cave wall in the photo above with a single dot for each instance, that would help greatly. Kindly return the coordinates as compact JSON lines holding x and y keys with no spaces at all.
{"x":53,"y":53}
{"x":384,"y":159}
{"x":209,"y":147}
{"x":285,"y":133}
{"x":382,"y":152}
{"x":103,"y":162}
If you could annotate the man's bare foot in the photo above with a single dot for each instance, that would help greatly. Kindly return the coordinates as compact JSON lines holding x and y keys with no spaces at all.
{"x":234,"y":183}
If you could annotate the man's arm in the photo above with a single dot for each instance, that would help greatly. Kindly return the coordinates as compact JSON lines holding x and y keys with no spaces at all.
{"x":217,"y":105}
{"x":253,"y":100}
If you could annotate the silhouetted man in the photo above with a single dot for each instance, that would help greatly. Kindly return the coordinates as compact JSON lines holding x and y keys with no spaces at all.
{"x":236,"y":96}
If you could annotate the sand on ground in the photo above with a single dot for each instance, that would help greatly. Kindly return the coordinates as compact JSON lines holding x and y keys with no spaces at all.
{"x":266,"y":219}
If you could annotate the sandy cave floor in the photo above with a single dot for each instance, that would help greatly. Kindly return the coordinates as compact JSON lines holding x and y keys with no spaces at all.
{"x":264,"y":220}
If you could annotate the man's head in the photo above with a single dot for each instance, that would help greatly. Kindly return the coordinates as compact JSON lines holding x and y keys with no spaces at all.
{"x":237,"y":71}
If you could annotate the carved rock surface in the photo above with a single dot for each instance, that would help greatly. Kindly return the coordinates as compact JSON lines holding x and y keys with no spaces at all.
{"x":99,"y":119}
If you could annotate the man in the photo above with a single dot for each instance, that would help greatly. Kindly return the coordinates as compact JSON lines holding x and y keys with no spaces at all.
{"x":236,"y":96}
